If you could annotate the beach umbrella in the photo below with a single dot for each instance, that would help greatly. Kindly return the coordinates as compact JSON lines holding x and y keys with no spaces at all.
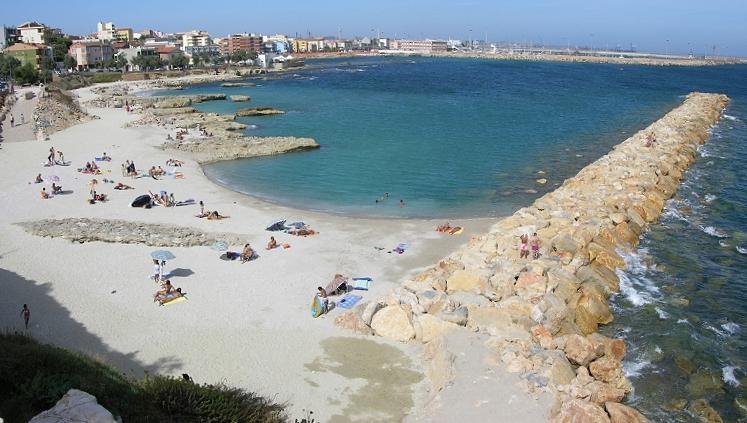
{"x":219,"y":246}
{"x":162,"y":255}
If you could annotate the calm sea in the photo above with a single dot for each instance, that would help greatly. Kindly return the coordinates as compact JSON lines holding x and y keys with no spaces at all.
{"x":460,"y":138}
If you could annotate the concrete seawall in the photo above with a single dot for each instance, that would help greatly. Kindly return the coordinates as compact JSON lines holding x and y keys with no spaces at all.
{"x":538,"y":317}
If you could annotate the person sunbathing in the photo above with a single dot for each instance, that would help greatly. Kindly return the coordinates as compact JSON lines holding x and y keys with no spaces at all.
{"x":214,"y":215}
{"x":444,"y":228}
{"x":121,"y":186}
{"x":106,"y":158}
{"x":153,"y":172}
{"x":160,"y":171}
{"x":56,"y":189}
{"x":94,"y":166}
{"x":174,"y":162}
{"x":38,"y":179}
{"x":166,"y":289}
{"x":247,"y":254}
{"x":272,"y":244}
{"x":305,"y":231}
{"x":44,"y":194}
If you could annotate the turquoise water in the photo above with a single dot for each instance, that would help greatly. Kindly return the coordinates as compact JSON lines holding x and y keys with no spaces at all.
{"x":467,"y":138}
{"x":449,"y":137}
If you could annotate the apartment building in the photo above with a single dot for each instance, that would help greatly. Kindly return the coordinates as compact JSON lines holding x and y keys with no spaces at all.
{"x":241,"y":42}
{"x":419,"y":46}
{"x":106,"y":31}
{"x":29,"y":53}
{"x":32,"y":33}
{"x":90,"y":53}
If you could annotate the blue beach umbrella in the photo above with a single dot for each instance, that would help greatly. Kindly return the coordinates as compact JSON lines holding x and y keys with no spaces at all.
{"x":219,"y":246}
{"x":162,"y":255}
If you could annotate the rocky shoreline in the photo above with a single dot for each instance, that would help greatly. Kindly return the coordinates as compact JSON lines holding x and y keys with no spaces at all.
{"x":125,"y":232}
{"x":222,"y":138}
{"x":540,"y":316}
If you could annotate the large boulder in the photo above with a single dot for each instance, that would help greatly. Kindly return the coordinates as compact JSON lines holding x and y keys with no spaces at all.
{"x":609,"y":370}
{"x":394,"y":322}
{"x":463,"y":280}
{"x":580,"y":411}
{"x":620,"y":413}
{"x":352,"y":321}
{"x":75,"y":406}
{"x":429,"y":327}
{"x":580,"y":350}
{"x":592,"y":309}
{"x":530,"y":285}
{"x":602,"y":393}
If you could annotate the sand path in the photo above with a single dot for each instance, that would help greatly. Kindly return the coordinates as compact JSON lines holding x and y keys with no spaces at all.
{"x":21,"y":131}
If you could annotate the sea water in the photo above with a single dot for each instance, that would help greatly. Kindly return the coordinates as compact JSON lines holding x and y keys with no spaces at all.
{"x":456,"y":138}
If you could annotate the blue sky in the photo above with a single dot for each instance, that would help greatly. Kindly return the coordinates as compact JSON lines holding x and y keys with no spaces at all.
{"x":647,"y":24}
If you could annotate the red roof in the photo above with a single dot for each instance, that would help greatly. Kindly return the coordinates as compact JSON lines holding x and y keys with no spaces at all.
{"x":165,"y":49}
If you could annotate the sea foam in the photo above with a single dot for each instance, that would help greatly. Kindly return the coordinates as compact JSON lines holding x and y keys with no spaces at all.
{"x":728,"y":375}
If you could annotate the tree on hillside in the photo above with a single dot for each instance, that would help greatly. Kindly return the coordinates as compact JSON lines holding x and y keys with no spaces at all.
{"x":8,"y":65}
{"x":70,"y":62}
{"x":179,"y":61}
{"x":60,"y":44}
{"x":120,"y":62}
{"x":146,"y":62}
{"x":26,"y":74}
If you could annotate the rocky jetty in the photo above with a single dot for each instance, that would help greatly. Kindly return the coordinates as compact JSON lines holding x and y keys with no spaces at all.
{"x":540,"y":316}
{"x":240,"y":98}
{"x":258,"y":111}
{"x":124,"y":232}
{"x":217,"y":149}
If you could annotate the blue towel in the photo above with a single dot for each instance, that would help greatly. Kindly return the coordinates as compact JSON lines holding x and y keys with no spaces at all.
{"x":349,"y":301}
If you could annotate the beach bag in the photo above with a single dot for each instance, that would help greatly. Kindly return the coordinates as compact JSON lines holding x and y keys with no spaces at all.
{"x":316,"y":306}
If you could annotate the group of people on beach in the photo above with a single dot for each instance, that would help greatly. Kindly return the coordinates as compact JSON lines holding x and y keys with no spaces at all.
{"x":210,"y":215}
{"x":526,"y":243}
{"x":55,"y":157}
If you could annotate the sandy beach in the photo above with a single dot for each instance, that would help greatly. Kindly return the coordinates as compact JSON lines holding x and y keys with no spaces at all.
{"x":247,"y":325}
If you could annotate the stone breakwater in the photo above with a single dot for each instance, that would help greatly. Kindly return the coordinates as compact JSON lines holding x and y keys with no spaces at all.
{"x":540,"y":317}
{"x":125,"y":232}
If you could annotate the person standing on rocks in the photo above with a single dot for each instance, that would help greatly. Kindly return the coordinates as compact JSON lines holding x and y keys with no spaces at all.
{"x":535,"y":244}
{"x":26,"y":314}
{"x":524,"y":247}
{"x":12,"y":121}
{"x":23,"y":119}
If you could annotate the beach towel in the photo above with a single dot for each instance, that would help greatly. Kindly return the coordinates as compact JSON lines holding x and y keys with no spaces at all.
{"x":316,"y":307}
{"x":175,"y":300}
{"x":59,"y":163}
{"x":102,"y":159}
{"x":400,"y":248}
{"x":363,"y":284}
{"x":277,"y":226}
{"x":187,"y":202}
{"x":349,"y":301}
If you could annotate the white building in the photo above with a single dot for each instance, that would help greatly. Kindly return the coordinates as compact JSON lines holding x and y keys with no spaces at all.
{"x":31,"y":32}
{"x":195,"y":39}
{"x":106,"y":31}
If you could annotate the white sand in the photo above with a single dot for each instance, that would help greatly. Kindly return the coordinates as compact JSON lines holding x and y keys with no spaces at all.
{"x":247,"y":325}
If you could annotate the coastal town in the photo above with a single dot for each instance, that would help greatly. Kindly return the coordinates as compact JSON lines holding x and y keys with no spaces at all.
{"x":40,"y":50}
{"x":141,"y":281}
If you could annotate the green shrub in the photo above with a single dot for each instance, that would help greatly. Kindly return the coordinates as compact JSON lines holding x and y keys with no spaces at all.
{"x":107,"y":77}
{"x":33,"y":377}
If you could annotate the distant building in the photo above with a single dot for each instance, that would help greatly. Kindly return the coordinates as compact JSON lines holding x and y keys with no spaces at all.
{"x":419,"y":46}
{"x":89,"y":53}
{"x":124,"y":34}
{"x":265,"y":60}
{"x":240,"y":42}
{"x":196,"y":42}
{"x":132,"y":52}
{"x":32,"y":32}
{"x":167,"y":52}
{"x":106,"y":31}
{"x":8,"y":36}
{"x":29,"y":53}
{"x":308,"y":45}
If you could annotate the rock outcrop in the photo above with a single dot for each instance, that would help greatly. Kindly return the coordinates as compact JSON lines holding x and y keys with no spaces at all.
{"x":75,"y":406}
{"x":541,"y":315}
{"x":212,"y":150}
{"x":240,"y":98}
{"x":258,"y":111}
{"x":126,"y":232}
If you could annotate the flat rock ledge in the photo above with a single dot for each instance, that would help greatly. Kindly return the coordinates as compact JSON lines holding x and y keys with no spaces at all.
{"x":218,"y":149}
{"x":124,"y":232}
{"x":541,"y":316}
{"x":258,"y":111}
